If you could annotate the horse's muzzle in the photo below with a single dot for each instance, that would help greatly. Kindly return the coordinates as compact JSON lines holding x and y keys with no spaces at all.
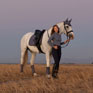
{"x":71,"y":35}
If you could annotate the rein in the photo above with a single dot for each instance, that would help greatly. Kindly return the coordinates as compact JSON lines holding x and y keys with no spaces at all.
{"x":67,"y":37}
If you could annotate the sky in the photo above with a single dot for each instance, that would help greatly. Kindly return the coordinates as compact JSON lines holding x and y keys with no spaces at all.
{"x":17,"y":17}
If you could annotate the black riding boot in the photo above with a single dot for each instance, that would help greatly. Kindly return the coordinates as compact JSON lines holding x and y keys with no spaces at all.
{"x":54,"y":71}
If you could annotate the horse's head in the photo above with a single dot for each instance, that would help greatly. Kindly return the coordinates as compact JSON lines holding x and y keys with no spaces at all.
{"x":66,"y":28}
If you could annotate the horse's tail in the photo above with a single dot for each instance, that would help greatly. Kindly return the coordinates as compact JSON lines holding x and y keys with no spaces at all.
{"x":26,"y":56}
{"x":24,"y":50}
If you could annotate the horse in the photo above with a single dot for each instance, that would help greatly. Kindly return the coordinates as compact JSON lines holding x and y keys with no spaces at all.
{"x":64,"y":26}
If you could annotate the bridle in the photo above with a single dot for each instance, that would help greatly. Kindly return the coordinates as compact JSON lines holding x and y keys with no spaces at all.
{"x":67,"y":31}
{"x":67,"y":36}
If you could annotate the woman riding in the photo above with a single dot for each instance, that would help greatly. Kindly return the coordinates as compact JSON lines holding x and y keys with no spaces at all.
{"x":55,"y":42}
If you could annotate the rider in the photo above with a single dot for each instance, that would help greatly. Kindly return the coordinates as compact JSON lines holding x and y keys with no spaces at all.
{"x":55,"y":42}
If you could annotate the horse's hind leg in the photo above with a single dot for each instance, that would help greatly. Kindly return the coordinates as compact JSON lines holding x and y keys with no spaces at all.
{"x":24,"y":57}
{"x":33,"y":55}
{"x":22,"y":60}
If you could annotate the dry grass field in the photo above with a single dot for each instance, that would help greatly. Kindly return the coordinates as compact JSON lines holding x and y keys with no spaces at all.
{"x":72,"y":79}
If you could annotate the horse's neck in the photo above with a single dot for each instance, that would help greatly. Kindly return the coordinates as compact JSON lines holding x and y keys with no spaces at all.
{"x":49,"y":31}
{"x":60,"y":25}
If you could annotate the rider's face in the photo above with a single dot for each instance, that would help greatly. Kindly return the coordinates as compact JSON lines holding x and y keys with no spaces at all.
{"x":56,"y":29}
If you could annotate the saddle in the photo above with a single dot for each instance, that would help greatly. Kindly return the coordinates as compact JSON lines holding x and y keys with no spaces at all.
{"x":36,"y":39}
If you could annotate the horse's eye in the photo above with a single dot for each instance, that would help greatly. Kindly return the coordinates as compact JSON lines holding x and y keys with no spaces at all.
{"x":67,"y":26}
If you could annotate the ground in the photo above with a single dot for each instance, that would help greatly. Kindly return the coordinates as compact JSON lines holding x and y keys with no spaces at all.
{"x":72,"y":79}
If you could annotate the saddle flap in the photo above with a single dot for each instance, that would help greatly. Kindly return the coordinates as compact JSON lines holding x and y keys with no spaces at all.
{"x":36,"y":39}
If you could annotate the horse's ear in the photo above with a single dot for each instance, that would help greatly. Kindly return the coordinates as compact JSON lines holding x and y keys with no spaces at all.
{"x":70,"y":20}
{"x":66,"y":20}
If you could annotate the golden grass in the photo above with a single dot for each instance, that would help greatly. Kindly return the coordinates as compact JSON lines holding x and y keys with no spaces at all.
{"x":72,"y":79}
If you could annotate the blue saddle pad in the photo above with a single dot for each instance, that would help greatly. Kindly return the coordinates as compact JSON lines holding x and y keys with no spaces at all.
{"x":32,"y":41}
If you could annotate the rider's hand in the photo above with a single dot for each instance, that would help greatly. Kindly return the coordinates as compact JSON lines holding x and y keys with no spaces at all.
{"x":55,"y":47}
{"x":66,"y":41}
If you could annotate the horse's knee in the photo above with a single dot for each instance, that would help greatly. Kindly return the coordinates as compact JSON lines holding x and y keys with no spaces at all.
{"x":48,"y":59}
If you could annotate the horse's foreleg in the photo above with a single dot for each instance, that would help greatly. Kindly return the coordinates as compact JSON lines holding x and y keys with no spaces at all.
{"x":33,"y":55}
{"x":48,"y":59}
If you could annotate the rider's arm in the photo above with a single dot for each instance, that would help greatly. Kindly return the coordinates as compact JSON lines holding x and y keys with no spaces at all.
{"x":50,"y":40}
{"x":65,"y":41}
{"x":62,"y":43}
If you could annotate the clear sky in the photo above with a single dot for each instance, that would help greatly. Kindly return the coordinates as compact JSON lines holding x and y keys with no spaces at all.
{"x":18,"y":17}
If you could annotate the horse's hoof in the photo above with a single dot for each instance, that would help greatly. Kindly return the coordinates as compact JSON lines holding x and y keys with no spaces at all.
{"x":48,"y":76}
{"x":21,"y":71}
{"x":35,"y":74}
